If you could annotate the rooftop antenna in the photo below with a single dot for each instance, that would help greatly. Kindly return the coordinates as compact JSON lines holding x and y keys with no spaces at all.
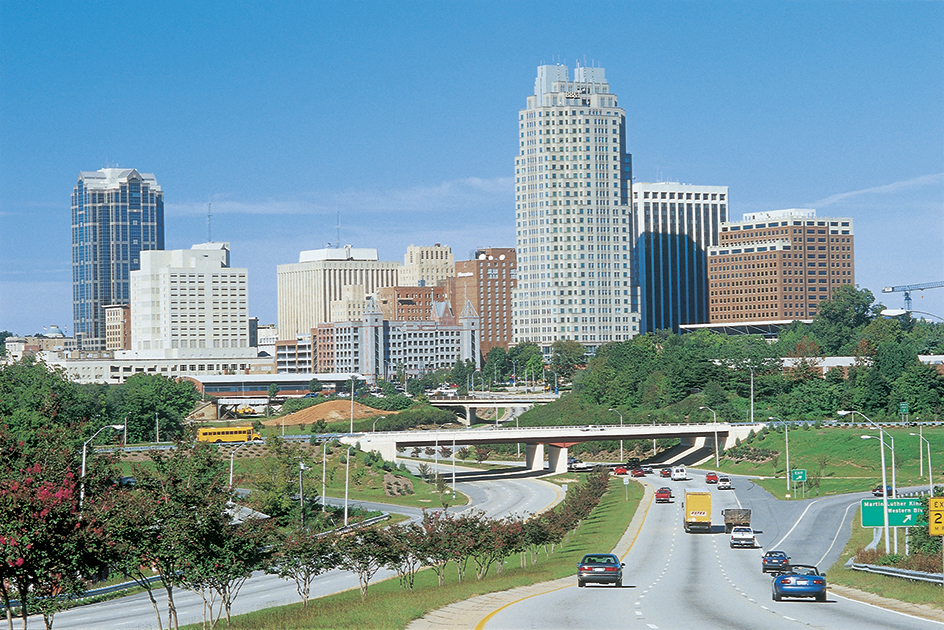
{"x":338,"y":244}
{"x":209,"y":240}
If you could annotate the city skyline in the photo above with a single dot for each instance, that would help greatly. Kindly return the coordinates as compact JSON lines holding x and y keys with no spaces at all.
{"x":402,"y":120}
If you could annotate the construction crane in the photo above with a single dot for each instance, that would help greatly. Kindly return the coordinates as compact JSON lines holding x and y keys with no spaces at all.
{"x":908,"y":288}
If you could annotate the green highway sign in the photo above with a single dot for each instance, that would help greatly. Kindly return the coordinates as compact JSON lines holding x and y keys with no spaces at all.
{"x":901,"y":512}
{"x":798,"y":475}
{"x":903,"y":408}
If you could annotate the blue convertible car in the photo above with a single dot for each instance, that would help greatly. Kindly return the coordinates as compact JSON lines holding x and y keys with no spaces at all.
{"x":800,"y":580}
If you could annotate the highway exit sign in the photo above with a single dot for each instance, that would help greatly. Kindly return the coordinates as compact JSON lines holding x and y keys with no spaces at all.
{"x":936,"y":516}
{"x":798,"y":475}
{"x":901,"y":512}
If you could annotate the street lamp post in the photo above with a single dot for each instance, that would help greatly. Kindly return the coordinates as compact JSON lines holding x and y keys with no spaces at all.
{"x":621,"y":439}
{"x":157,"y":425}
{"x":126,"y":428}
{"x":84,"y":449}
{"x":884,"y":486}
{"x":374,"y":427}
{"x":786,"y":437}
{"x":715,"y":419}
{"x":921,"y":438}
{"x":324,"y":471}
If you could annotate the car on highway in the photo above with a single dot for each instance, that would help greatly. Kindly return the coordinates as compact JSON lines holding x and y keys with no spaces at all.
{"x":600,"y":568}
{"x":799,"y":580}
{"x":774,"y":561}
{"x":663,"y":495}
{"x":877,"y":491}
{"x":638,"y":472}
{"x":647,"y":470}
{"x":619,"y":470}
{"x":711,"y":477}
{"x":743,"y":537}
{"x":665,"y":472}
{"x":724,"y":483}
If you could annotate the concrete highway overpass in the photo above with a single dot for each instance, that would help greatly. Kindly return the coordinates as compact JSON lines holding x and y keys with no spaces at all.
{"x":556,"y":439}
{"x":467,"y":405}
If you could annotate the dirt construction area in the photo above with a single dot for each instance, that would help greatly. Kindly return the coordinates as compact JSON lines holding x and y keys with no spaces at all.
{"x":330,"y":411}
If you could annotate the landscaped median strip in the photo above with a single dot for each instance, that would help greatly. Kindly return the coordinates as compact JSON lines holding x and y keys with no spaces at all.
{"x":476,"y":612}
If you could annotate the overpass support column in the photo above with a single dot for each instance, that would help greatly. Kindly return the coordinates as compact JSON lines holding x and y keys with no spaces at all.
{"x":557,"y":458}
{"x":534,"y":456}
{"x":467,"y":421}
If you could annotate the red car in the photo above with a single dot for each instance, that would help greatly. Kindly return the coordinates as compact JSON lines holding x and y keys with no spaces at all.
{"x":619,"y":470}
{"x":638,"y":472}
{"x":665,"y":472}
{"x":711,"y":478}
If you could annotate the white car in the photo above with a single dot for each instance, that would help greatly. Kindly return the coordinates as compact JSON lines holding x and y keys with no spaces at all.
{"x":679,"y":474}
{"x":743,"y":537}
{"x":724,"y":483}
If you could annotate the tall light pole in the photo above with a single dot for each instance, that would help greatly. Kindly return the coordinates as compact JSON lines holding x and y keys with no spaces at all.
{"x":324,"y":471}
{"x":126,"y":427}
{"x":621,"y":439}
{"x":374,"y":427}
{"x":231,"y":456}
{"x":884,"y":486}
{"x":786,"y":437}
{"x":157,"y":425}
{"x":921,"y":438}
{"x":347,"y":476}
{"x":84,"y":449}
{"x":715,"y":417}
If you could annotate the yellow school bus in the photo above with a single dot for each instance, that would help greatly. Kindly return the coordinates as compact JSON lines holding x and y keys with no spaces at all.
{"x":227,"y":434}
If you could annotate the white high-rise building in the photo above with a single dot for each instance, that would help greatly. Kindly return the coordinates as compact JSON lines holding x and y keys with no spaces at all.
{"x":307,"y":288}
{"x":425,"y":266}
{"x":574,"y":233}
{"x":189,"y":303}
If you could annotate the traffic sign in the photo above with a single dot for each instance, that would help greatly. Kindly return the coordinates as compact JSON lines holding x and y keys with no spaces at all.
{"x":903,"y":408}
{"x":901,"y":512}
{"x":798,"y":475}
{"x":936,"y":516}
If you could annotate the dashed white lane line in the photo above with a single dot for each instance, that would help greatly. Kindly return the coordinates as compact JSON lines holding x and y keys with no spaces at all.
{"x":789,"y":618}
{"x":653,"y":626}
{"x":639,"y":613}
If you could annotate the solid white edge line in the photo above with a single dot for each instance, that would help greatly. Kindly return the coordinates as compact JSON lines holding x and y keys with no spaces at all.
{"x":780,"y":542}
{"x":897,"y":612}
{"x":838,"y":530}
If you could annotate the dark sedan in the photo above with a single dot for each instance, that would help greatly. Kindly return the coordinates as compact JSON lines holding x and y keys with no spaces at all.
{"x":800,"y":580}
{"x":774,"y":562}
{"x":600,"y":568}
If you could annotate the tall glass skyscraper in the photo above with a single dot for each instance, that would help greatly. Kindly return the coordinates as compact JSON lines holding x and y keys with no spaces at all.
{"x":574,"y":231}
{"x":116,"y":213}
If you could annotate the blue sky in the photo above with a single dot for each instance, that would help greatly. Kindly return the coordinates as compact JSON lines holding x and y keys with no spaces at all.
{"x":403,"y":118}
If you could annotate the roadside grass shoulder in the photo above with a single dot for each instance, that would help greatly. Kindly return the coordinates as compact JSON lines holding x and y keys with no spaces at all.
{"x":894,"y":588}
{"x":388,"y":606}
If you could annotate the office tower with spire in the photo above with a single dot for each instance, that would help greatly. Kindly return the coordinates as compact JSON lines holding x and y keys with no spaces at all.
{"x":116,"y":214}
{"x":573,"y":179}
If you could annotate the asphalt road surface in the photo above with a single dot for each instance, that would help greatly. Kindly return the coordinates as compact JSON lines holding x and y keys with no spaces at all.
{"x":499,"y":497}
{"x":675,"y":580}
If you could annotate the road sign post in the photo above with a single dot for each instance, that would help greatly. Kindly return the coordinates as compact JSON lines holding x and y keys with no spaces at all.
{"x":901,"y":512}
{"x":798,"y":475}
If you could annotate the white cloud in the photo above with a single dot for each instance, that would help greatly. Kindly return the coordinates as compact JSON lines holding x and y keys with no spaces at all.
{"x":461,"y":194}
{"x":894,"y":187}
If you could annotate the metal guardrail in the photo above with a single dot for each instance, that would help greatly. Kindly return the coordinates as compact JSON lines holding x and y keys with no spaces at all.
{"x":95,"y":592}
{"x":907,"y":574}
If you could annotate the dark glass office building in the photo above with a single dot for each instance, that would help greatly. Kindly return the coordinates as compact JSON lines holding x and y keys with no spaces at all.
{"x":674,"y":225}
{"x":116,"y":213}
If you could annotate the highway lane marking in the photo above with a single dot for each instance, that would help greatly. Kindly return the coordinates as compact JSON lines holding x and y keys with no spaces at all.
{"x":480,"y":625}
{"x":780,"y":542}
{"x":638,"y":613}
{"x":838,"y":530}
{"x":654,"y":627}
{"x":903,"y":614}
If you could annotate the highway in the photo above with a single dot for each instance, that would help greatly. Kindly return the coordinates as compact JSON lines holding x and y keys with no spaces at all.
{"x":675,"y":580}
{"x":498,"y":498}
